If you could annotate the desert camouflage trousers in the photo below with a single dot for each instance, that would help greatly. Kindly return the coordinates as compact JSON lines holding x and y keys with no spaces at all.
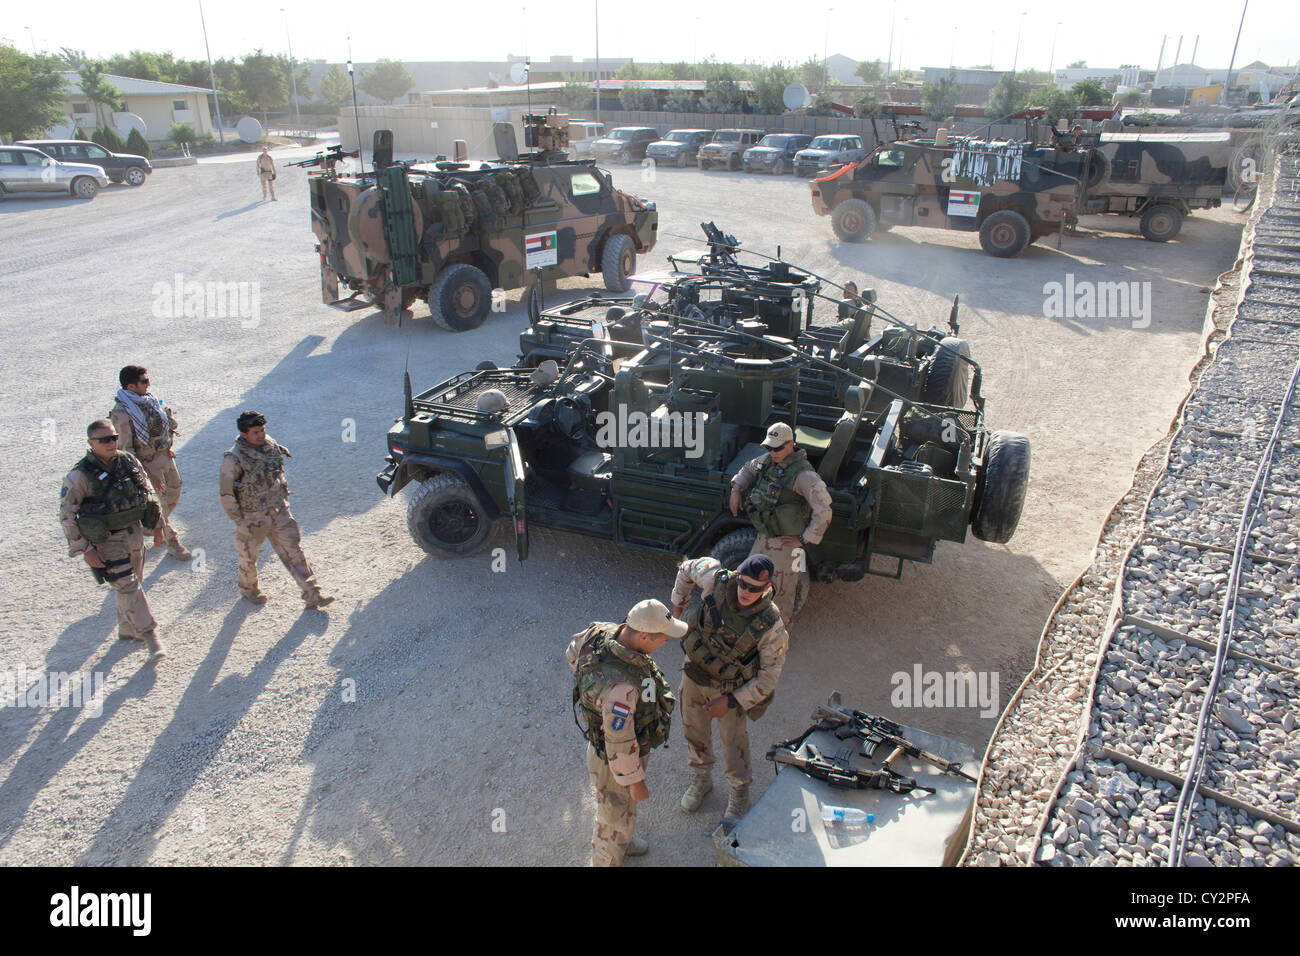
{"x":162,"y":471}
{"x":286,"y":538}
{"x":615,"y":812}
{"x":267,"y":182}
{"x":785,"y":580}
{"x":697,"y":727}
{"x":123,"y":554}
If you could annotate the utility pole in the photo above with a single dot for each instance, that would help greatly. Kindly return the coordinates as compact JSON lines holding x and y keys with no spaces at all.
{"x":1227,"y":83}
{"x":889,"y":61}
{"x":1052,"y":60}
{"x":826,"y":43}
{"x":212,"y":76}
{"x":596,"y":4}
{"x":293,"y":72}
{"x":1015,"y":59}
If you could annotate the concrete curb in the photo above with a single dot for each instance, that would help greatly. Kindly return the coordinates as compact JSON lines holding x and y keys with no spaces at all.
{"x":175,"y":161}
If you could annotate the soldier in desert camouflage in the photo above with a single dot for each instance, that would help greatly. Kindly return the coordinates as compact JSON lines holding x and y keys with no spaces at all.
{"x":255,"y":494}
{"x":626,"y":706}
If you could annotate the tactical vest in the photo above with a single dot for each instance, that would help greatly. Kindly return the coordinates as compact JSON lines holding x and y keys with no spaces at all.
{"x":722,"y":647}
{"x":118,"y":498}
{"x":263,"y":486}
{"x":599,"y":668}
{"x":772,"y":503}
{"x":160,"y":437}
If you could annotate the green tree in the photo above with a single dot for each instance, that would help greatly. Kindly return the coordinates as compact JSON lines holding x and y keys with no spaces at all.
{"x":869,"y":71}
{"x":866,"y":104}
{"x":821,"y":104}
{"x":680,"y":101}
{"x":1077,"y":65}
{"x":812,"y":73}
{"x":1007,"y":98}
{"x":81,"y":135}
{"x":576,"y":95}
{"x":722,"y":96}
{"x":181,"y":133}
{"x":769,"y":83}
{"x":940,"y":99}
{"x":387,"y":81}
{"x":1057,"y":103}
{"x":630,"y":71}
{"x":31,"y":93}
{"x":1092,"y":93}
{"x":139,"y":64}
{"x":334,"y":86}
{"x":680,"y":70}
{"x":263,"y":82}
{"x":101,"y":93}
{"x":137,"y":145}
{"x":107,"y":137}
{"x":638,"y":96}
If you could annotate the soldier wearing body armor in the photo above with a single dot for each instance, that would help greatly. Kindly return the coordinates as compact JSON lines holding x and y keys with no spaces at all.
{"x":255,"y":494}
{"x":623,"y":704}
{"x":734,"y":654}
{"x":105,"y":501}
{"x":789,"y":505}
{"x":146,"y":428}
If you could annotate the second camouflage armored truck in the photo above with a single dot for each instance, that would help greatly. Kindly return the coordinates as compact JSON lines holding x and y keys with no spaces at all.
{"x":451,"y":233}
{"x":1011,"y":193}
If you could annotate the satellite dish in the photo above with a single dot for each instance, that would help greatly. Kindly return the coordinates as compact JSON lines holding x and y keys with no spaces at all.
{"x":796,"y":96}
{"x":64,"y":130}
{"x":249,"y":130}
{"x":125,"y":122}
{"x":518,"y":73}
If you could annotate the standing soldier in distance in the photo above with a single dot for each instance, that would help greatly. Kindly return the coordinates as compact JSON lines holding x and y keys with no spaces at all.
{"x":255,"y":495}
{"x":788,"y":503}
{"x":626,"y":706}
{"x":146,"y":428}
{"x":266,"y":173}
{"x":105,"y":500}
{"x":734,"y":655}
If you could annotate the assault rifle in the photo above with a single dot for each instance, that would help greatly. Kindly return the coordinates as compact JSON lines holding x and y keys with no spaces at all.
{"x":876,"y":732}
{"x":328,"y":158}
{"x":840,"y":773}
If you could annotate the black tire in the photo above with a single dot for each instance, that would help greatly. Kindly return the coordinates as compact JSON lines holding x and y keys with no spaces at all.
{"x":948,"y":381}
{"x":1000,"y":490}
{"x":134,"y":176}
{"x":734,"y":547}
{"x":1004,"y":234}
{"x":445,"y":517}
{"x":681,"y":160}
{"x":624,"y":157}
{"x":701,"y":162}
{"x":617,"y":262}
{"x":83,"y":187}
{"x":748,"y":168}
{"x":853,"y":220}
{"x":778,"y":168}
{"x":1098,"y":169}
{"x":1161,"y":223}
{"x":460,"y":297}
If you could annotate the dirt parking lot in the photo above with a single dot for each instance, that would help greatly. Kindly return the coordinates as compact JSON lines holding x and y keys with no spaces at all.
{"x":426,"y":718}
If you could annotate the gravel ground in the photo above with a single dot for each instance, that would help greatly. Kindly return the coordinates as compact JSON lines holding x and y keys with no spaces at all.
{"x":425,"y":718}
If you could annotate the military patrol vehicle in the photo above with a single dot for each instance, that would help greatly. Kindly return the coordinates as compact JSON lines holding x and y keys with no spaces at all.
{"x":451,"y":233}
{"x":634,"y":434}
{"x":1010,"y":193}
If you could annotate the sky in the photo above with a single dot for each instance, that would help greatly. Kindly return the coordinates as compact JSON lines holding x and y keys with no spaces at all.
{"x":1105,"y":33}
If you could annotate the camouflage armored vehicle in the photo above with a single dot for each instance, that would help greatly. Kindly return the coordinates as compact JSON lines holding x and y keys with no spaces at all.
{"x":635,"y":434}
{"x":1011,"y":193}
{"x":451,"y":233}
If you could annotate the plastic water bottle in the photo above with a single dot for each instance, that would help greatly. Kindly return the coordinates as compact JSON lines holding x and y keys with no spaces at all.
{"x":849,"y":817}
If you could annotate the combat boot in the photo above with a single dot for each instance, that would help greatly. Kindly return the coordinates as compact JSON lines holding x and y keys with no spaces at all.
{"x":696,"y":792}
{"x":178,"y":550}
{"x":637,"y":847}
{"x":156,"y":649}
{"x":737,"y":802}
{"x":319,"y":600}
{"x":257,"y":596}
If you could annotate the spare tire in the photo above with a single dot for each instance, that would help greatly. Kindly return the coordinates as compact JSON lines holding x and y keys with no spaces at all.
{"x":948,"y":381}
{"x":1098,"y":169}
{"x":1001,"y":486}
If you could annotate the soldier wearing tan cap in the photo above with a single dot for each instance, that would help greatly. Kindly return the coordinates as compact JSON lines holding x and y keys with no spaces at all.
{"x":626,"y":708}
{"x":790,"y":506}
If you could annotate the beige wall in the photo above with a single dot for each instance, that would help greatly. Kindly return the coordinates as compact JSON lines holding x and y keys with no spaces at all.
{"x":413,"y":133}
{"x":156,"y":111}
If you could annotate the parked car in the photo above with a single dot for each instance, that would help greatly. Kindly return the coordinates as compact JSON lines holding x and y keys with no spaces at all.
{"x":582,"y":133}
{"x":727,"y":147}
{"x":827,"y":151}
{"x":27,"y":170}
{"x":627,"y":144}
{"x":679,"y":147}
{"x":775,"y":153}
{"x":120,"y":167}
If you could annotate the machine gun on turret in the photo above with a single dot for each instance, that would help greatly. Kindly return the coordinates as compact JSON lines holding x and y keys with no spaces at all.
{"x":327,"y":160}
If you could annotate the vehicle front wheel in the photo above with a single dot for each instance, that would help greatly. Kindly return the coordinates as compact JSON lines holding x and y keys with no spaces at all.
{"x":445,"y":517}
{"x":778,"y":168}
{"x":624,"y":157}
{"x":617,"y":262}
{"x":83,"y":187}
{"x":460,"y":297}
{"x":1000,"y":492}
{"x":681,"y":160}
{"x":135,"y":176}
{"x":1004,"y":234}
{"x":853,"y":220}
{"x":1161,"y":223}
{"x":733,"y":162}
{"x":701,"y":162}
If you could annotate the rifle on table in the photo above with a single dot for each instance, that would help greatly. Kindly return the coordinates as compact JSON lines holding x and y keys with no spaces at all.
{"x":876,"y":732}
{"x":840,"y":773}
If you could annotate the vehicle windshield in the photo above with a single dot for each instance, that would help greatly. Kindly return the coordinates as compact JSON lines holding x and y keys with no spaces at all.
{"x":726,"y":136}
{"x":679,"y":136}
{"x":621,"y":134}
{"x":890,"y":157}
{"x":776,"y":141}
{"x":823,"y":142}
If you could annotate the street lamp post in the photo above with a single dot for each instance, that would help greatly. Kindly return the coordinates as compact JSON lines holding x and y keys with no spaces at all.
{"x":212,"y":76}
{"x":293,"y":72}
{"x":1015,"y":59}
{"x":826,"y":44}
{"x":889,"y":61}
{"x":1051,"y":63}
{"x":596,"y":4}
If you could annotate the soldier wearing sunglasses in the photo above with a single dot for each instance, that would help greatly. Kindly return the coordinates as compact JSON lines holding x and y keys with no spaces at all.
{"x":735,"y":650}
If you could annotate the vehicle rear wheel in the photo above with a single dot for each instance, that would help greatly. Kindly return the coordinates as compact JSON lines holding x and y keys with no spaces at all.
{"x":1004,"y":234}
{"x":1161,"y":223}
{"x":624,"y":157}
{"x":733,"y":162}
{"x":734,"y":547}
{"x":1000,"y":491}
{"x":135,"y":176}
{"x":83,"y":187}
{"x":681,"y":160}
{"x":778,"y":168}
{"x":460,"y":297}
{"x":853,"y":220}
{"x":617,"y":262}
{"x":446,"y":518}
{"x":948,"y":381}
{"x":701,"y":162}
